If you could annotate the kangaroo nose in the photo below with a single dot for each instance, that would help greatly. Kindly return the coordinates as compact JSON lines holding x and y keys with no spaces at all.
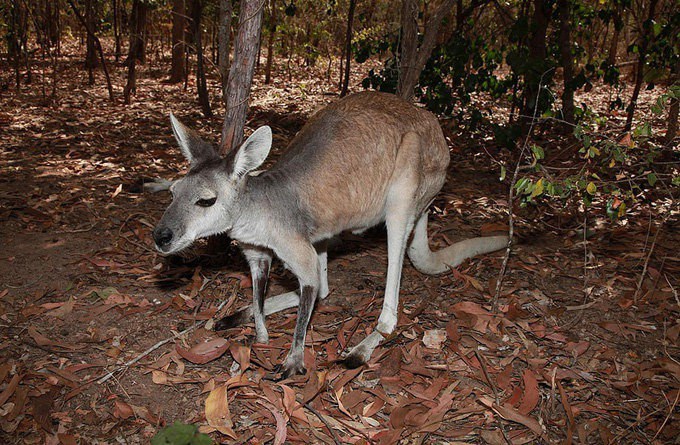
{"x":162,"y":236}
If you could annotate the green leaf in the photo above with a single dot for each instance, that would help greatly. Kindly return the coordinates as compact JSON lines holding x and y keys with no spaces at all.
{"x":538,"y":188}
{"x":503,"y":173}
{"x":651,"y":179}
{"x":591,"y":188}
{"x":180,"y":434}
{"x":538,"y":152}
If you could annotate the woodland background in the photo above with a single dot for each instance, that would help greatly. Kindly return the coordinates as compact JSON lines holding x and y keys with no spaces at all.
{"x":562,"y":117}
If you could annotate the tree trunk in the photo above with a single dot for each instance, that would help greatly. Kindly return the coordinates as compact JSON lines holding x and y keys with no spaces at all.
{"x":97,"y":44}
{"x":178,"y":32}
{"x":138,"y":32}
{"x":537,"y":55}
{"x":348,"y":46}
{"x":16,"y":39}
{"x":201,"y":85}
{"x":223,"y":43}
{"x":564,"y":8}
{"x":640,"y":69}
{"x":137,"y":25}
{"x":116,"y":28}
{"x":241,"y":73}
{"x":413,"y":57}
{"x":270,"y":44}
{"x":90,"y":53}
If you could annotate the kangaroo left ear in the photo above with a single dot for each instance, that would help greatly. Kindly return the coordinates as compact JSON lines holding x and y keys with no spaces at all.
{"x":253,"y":151}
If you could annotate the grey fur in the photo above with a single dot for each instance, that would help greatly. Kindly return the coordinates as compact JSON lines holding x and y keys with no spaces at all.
{"x":363,"y":160}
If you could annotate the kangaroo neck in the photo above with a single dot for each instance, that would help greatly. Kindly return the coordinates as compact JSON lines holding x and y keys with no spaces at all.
{"x":265,"y":211}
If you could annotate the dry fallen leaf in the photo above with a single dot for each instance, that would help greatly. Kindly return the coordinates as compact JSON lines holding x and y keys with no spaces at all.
{"x":205,"y":352}
{"x":434,"y":338}
{"x":217,"y":411}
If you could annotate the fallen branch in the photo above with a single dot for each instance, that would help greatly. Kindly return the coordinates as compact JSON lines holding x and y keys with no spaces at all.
{"x":325,"y":422}
{"x":129,"y":363}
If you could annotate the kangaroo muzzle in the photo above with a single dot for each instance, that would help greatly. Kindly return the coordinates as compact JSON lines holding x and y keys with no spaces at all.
{"x":162,"y":236}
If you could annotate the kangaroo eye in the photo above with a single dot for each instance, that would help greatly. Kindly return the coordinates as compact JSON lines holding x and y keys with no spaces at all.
{"x":206,"y":202}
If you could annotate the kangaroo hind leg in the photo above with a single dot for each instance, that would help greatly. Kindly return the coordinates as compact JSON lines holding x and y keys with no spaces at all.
{"x":402,"y":210}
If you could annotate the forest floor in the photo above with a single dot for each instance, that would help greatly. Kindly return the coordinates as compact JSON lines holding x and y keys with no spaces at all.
{"x":584,"y":346}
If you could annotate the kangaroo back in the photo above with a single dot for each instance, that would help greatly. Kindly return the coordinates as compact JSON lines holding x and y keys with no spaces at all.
{"x":344,"y":160}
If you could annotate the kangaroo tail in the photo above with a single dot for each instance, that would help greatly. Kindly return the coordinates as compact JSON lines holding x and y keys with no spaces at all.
{"x":433,"y":263}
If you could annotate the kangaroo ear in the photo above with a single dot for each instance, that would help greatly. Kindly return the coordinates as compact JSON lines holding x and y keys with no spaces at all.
{"x":253,"y":151}
{"x":193,"y":148}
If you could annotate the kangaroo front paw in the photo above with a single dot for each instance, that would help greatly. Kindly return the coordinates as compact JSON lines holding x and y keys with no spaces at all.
{"x":293,"y":370}
{"x":292,"y":366}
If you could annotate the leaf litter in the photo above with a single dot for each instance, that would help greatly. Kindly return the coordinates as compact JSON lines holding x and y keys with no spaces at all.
{"x":85,"y":293}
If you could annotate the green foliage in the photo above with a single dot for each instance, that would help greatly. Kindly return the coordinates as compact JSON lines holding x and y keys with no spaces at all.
{"x":181,"y":434}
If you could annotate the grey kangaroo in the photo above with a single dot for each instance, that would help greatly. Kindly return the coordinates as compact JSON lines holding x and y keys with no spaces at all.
{"x":363,"y":160}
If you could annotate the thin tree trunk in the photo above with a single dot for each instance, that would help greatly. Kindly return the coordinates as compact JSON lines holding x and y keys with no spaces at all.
{"x":98,"y":45}
{"x":138,"y":33}
{"x":640,"y":70}
{"x":537,"y":55}
{"x":348,"y":47}
{"x":201,"y":85}
{"x":178,"y":48}
{"x":137,"y":24}
{"x":90,"y":53}
{"x":116,"y":28}
{"x":241,"y":73}
{"x":413,"y":57}
{"x":223,"y":43}
{"x":564,"y":8}
{"x":270,"y":44}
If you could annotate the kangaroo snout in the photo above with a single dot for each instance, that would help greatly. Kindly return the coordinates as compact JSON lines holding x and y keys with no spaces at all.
{"x":162,"y":236}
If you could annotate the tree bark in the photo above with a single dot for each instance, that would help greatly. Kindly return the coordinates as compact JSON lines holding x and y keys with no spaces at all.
{"x":640,"y":69}
{"x":138,"y":32}
{"x":537,"y":55}
{"x":413,"y":57}
{"x":241,"y":73}
{"x":178,"y":47}
{"x":137,"y":36}
{"x":270,"y":44}
{"x":614,"y":44}
{"x":116,"y":28}
{"x":201,"y":84}
{"x":91,"y":52}
{"x":348,"y":47}
{"x":223,"y":43}
{"x":564,"y":8}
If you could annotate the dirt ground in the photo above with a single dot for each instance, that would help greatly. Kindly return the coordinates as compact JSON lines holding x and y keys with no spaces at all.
{"x":584,"y":347}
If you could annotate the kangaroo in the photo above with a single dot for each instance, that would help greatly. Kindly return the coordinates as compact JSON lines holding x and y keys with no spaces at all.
{"x":363,"y":160}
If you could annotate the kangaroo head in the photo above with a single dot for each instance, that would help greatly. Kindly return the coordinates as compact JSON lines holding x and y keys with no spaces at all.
{"x":205,"y":201}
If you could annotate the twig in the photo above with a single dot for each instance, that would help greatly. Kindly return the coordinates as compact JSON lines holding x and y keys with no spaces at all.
{"x":511,"y":197}
{"x":675,"y":292}
{"x":644,"y":269}
{"x":670,"y":412}
{"x":495,"y":395}
{"x":583,"y":305}
{"x":147,"y":352}
{"x":325,"y":422}
{"x":129,"y":363}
